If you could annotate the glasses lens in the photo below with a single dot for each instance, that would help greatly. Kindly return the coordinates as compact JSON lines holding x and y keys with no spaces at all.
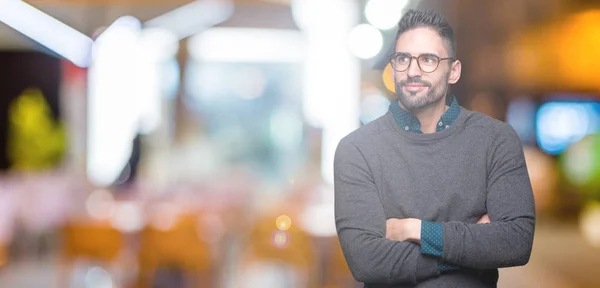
{"x":428,"y":63}
{"x":400,"y":62}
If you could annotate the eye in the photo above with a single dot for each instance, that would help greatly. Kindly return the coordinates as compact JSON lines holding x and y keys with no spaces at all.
{"x":402,"y":58}
{"x":430,"y":59}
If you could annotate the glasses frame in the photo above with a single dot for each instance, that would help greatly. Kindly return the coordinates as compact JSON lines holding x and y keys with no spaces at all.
{"x":393,"y":56}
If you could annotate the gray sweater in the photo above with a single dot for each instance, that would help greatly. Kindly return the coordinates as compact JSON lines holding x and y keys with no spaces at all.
{"x":455,"y":176}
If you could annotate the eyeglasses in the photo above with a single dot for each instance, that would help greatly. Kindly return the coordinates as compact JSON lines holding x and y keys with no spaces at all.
{"x":427,"y":62}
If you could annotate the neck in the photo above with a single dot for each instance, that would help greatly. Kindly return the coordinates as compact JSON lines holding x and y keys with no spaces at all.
{"x":429,"y":115}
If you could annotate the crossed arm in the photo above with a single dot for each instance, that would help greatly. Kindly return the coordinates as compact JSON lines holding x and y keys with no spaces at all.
{"x":409,"y":229}
{"x":380,"y":250}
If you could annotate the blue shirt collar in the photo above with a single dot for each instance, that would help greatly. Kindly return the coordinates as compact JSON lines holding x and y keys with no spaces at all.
{"x":409,"y":122}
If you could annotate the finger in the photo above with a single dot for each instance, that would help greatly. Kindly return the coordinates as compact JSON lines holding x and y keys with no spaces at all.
{"x":485,"y":219}
{"x":482,"y":219}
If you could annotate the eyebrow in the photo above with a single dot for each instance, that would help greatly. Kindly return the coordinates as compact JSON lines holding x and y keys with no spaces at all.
{"x":426,"y":54}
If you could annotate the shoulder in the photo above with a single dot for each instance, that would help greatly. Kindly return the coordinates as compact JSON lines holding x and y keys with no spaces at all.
{"x":494,"y":128}
{"x":363,"y":137}
{"x":503,"y":142}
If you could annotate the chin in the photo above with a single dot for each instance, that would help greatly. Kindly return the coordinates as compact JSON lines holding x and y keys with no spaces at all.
{"x":416,"y":102}
{"x":420,"y":105}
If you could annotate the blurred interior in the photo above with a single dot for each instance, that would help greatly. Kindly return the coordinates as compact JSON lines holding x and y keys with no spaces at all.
{"x":148,"y":143}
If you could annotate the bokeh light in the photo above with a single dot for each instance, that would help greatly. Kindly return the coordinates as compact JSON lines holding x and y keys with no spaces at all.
{"x":164,"y":216}
{"x":251,"y":83}
{"x":579,"y":36}
{"x":581,"y":164}
{"x":280,"y":239}
{"x":388,"y":78}
{"x":365,"y":41}
{"x":543,"y":176}
{"x":590,"y":223}
{"x":283,"y":222}
{"x":385,"y":14}
{"x":559,"y":124}
{"x":128,"y":217}
{"x":98,"y":277}
{"x":373,"y":106}
{"x":100,"y":204}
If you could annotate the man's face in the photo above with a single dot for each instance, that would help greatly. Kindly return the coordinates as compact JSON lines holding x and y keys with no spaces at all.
{"x":417,"y":89}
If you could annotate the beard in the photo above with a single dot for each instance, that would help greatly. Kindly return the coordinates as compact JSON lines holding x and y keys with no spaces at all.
{"x":411,"y":100}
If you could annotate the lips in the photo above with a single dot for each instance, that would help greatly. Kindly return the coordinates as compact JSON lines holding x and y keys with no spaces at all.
{"x":414,"y":87}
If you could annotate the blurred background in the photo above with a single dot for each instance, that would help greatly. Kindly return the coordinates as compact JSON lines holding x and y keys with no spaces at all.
{"x":150,"y":143}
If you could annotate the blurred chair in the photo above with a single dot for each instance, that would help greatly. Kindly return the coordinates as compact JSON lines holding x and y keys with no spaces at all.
{"x":94,"y":240}
{"x":89,"y":240}
{"x":268,"y":247}
{"x":179,"y":247}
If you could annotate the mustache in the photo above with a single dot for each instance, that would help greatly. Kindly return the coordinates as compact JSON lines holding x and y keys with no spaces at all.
{"x":414,"y":80}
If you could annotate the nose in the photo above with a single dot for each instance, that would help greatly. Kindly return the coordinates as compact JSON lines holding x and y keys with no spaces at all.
{"x":413,"y":68}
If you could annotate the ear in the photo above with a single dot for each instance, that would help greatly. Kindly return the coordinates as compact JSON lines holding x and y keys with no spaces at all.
{"x":455,"y":70}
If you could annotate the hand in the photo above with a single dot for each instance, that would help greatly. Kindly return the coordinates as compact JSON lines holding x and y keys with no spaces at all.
{"x":485,"y":219}
{"x":408,"y":229}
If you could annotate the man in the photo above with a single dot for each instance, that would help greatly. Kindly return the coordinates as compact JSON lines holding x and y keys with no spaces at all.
{"x":431,"y":194}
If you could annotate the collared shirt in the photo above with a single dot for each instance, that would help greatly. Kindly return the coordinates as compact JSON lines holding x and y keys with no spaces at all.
{"x":409,"y":122}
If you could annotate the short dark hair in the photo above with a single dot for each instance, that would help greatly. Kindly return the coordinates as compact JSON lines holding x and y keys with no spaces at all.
{"x":413,"y":19}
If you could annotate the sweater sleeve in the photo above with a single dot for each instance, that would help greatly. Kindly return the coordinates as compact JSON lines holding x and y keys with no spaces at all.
{"x":508,"y":239}
{"x":361,"y":224}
